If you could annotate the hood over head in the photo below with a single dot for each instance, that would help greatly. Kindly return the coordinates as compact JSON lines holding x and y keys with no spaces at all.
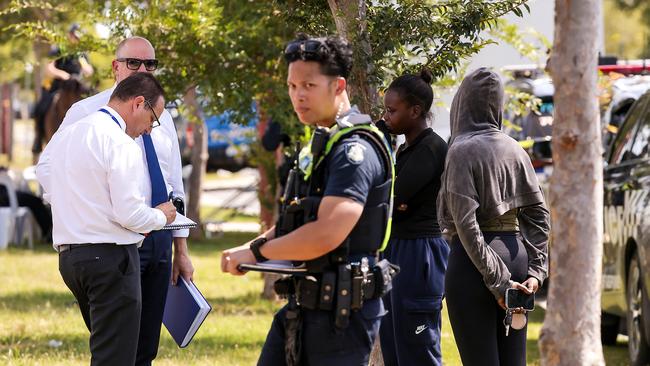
{"x":478,"y":104}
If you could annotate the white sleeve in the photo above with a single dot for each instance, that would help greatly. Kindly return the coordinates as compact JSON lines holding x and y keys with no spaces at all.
{"x":125,"y":176}
{"x":44,"y":167}
{"x":175,"y":166}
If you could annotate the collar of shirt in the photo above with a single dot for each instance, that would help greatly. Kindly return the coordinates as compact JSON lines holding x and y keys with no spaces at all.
{"x":352,"y":117}
{"x":116,"y":115}
{"x":404,"y":147}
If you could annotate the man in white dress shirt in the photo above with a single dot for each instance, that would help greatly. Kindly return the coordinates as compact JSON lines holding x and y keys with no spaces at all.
{"x":94,"y":180}
{"x":133,"y":55}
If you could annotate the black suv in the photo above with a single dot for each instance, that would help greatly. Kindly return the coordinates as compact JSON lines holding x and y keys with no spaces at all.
{"x":626,"y":239}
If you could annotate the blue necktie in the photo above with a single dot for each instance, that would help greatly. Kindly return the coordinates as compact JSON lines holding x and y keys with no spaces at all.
{"x":158,"y":187}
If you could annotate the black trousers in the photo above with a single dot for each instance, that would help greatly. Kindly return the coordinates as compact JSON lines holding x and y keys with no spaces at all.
{"x":155,"y":268}
{"x":476,"y":318}
{"x":105,"y":280}
{"x":322,"y":343}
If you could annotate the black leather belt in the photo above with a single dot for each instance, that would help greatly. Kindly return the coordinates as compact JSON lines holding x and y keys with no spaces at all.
{"x":65,"y":247}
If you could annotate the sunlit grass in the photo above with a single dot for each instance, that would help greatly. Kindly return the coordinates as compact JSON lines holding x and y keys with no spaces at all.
{"x":36,"y":309}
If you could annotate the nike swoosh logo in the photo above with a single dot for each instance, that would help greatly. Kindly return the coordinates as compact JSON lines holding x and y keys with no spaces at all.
{"x":420,"y":330}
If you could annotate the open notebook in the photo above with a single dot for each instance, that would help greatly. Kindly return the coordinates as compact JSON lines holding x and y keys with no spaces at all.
{"x":181,"y":222}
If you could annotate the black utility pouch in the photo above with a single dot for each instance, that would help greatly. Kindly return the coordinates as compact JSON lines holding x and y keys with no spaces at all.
{"x":383,"y":273}
{"x":284,"y":287}
{"x":307,"y":291}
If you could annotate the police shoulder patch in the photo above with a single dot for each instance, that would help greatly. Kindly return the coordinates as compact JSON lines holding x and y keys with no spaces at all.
{"x":354,"y":152}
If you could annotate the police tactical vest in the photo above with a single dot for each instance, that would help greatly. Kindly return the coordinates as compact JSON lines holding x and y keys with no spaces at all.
{"x":306,"y":184}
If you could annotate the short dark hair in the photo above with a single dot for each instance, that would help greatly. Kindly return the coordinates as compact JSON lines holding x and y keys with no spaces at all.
{"x":334,"y":54}
{"x":415,"y":89}
{"x":140,"y":83}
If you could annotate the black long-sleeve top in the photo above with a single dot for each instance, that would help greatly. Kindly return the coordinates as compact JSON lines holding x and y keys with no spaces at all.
{"x":418,"y":170}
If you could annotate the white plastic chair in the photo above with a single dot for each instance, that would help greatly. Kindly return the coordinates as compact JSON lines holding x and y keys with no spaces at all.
{"x":15,"y":221}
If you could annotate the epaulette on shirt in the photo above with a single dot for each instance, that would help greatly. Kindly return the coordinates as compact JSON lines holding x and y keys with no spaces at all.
{"x":353,"y":118}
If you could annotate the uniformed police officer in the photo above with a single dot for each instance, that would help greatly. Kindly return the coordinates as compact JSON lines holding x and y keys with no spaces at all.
{"x":334,"y":217}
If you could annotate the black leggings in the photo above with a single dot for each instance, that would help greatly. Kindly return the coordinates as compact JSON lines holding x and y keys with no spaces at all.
{"x":475,"y":316}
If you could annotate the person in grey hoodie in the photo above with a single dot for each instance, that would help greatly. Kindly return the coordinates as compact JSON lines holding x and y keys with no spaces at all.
{"x":492,"y":205}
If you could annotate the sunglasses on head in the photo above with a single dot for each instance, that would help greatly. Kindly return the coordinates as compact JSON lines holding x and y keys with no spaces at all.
{"x":134,"y":63}
{"x":306,"y":50}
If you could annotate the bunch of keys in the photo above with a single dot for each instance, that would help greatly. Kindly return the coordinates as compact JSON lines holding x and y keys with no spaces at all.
{"x":515,"y":320}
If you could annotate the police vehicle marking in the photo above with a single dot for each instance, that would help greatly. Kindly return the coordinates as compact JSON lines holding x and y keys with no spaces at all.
{"x":621,"y":223}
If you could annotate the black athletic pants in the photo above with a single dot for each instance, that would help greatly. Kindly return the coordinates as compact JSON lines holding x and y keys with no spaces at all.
{"x":475,"y":316}
{"x":105,"y":280}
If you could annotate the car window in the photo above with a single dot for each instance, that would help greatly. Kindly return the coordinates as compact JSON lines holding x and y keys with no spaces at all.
{"x":639,"y":147}
{"x":624,"y":138}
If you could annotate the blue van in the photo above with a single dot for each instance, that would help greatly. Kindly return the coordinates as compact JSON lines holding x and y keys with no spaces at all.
{"x":229,"y":143}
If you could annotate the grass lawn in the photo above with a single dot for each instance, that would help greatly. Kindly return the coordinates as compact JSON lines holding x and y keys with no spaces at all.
{"x":225,"y":214}
{"x":36,"y":310}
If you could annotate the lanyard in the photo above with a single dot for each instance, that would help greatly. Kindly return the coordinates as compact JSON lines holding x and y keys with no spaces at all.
{"x":112,"y":116}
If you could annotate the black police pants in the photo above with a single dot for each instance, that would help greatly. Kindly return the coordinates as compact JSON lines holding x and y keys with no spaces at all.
{"x":155,"y":266}
{"x":475,"y":316}
{"x":105,"y":280}
{"x":410,"y":331}
{"x":322,"y":343}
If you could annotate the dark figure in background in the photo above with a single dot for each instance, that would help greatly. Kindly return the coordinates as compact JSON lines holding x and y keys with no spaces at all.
{"x":492,"y":204}
{"x":69,"y":92}
{"x":273,"y":138}
{"x":410,"y":331}
{"x":334,"y":218}
{"x":64,"y":73}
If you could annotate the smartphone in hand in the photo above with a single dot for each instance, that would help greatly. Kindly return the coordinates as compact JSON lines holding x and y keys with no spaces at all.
{"x":516,"y":298}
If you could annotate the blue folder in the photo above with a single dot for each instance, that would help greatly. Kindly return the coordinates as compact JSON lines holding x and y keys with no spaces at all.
{"x":185,"y":311}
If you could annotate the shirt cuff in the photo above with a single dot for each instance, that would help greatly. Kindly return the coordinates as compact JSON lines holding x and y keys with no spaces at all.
{"x":161,"y":219}
{"x":500,"y":290}
{"x":539,"y":275}
{"x":181,"y":233}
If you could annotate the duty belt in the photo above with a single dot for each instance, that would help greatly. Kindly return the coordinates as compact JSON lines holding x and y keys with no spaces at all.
{"x":343,"y":290}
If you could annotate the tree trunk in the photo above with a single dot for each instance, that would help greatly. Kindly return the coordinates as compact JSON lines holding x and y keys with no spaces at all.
{"x":265,"y":163}
{"x":266,"y":194}
{"x":351,"y":24}
{"x":40,"y":51}
{"x":199,"y":160}
{"x":6,"y":120}
{"x":571,"y":331}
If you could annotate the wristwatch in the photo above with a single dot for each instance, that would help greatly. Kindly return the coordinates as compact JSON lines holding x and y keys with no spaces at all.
{"x":255,"y":248}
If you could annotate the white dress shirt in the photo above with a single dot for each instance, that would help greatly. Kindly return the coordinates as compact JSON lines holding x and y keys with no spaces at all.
{"x":94,"y":180}
{"x":165,"y":141}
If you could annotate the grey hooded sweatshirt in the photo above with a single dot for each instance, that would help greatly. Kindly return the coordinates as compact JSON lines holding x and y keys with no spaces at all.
{"x":487,"y":174}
